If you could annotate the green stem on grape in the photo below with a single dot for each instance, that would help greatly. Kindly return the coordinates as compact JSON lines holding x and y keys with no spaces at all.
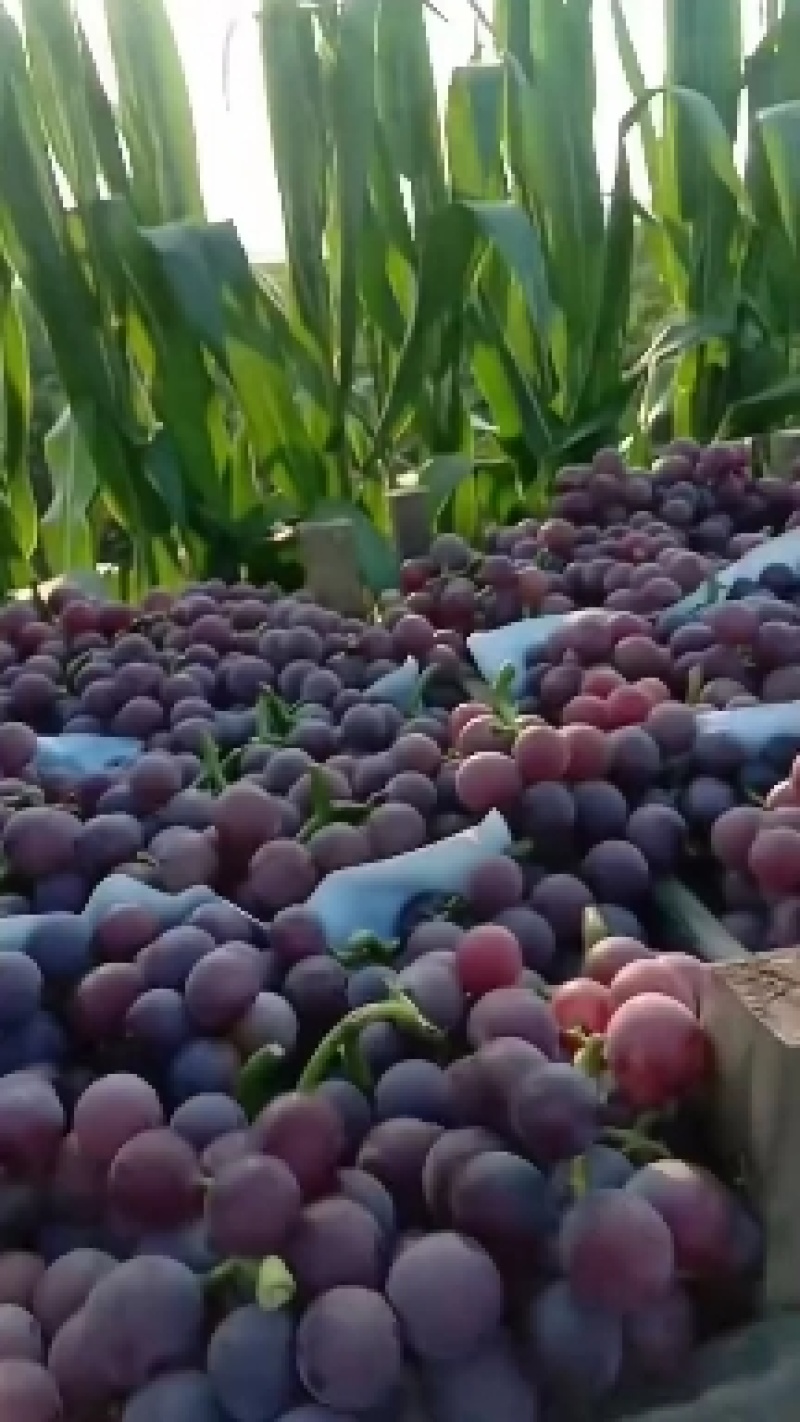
{"x":399,"y":1010}
{"x":579,"y":1177}
{"x":522,"y":849}
{"x":594,"y":929}
{"x":591,"y":1059}
{"x":367,"y":948}
{"x":355,"y":1065}
{"x":633,"y":1143}
{"x":235,"y":1274}
{"x":275,"y":1285}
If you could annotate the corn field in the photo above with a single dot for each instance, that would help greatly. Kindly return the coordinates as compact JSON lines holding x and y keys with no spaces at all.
{"x":462,"y":300}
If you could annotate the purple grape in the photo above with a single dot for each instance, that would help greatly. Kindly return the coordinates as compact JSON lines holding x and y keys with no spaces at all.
{"x":143,"y":1317}
{"x":368,"y":1192}
{"x":270,"y":1021}
{"x":201,"y":1066}
{"x":66,"y":1284}
{"x":415,"y":1088}
{"x":556,"y":1113}
{"x":490,"y":1383}
{"x":20,"y":989}
{"x":175,"y":1397}
{"x":281,"y":873}
{"x":251,"y":1364}
{"x":336,"y":1242}
{"x":28,"y":1393}
{"x":447,"y":1294}
{"x":205,"y":1118}
{"x":106,"y":842}
{"x":577,"y":1350}
{"x":349,"y":1351}
{"x":111,"y":1112}
{"x":20,"y":1335}
{"x":252,"y":1208}
{"x":154,"y":1179}
{"x":32,"y":1124}
{"x":352,"y":1108}
{"x":221,"y":987}
{"x":395,"y":1152}
{"x":306,"y":1133}
{"x":504,"y":1203}
{"x":158,"y":1021}
{"x":168,"y":961}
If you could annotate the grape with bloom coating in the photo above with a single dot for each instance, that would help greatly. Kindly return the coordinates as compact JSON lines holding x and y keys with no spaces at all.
{"x":657,"y":1050}
{"x":250,"y":1364}
{"x":616,"y":1251}
{"x":448,"y":1295}
{"x":349,"y":1351}
{"x":251,"y":1208}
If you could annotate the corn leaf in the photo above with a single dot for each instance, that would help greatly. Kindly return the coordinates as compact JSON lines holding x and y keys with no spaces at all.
{"x":155,"y":114}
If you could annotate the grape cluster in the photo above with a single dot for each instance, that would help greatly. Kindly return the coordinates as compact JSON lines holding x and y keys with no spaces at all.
{"x":451,"y":1199}
{"x":630,"y":539}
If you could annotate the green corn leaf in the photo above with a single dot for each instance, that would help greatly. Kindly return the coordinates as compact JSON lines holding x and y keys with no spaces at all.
{"x":16,"y":415}
{"x":407,"y":104}
{"x":441,"y":476}
{"x":779,"y":130}
{"x":353,"y":119}
{"x":155,"y":114}
{"x":473,"y":123}
{"x":636,"y":83}
{"x":295,"y":105}
{"x":65,"y":529}
{"x":776,"y":406}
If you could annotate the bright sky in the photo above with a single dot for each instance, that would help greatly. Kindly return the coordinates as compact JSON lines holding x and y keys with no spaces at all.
{"x":233,"y":137}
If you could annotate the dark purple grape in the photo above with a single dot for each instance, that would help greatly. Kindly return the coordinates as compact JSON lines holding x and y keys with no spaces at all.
{"x":185,"y":1396}
{"x":32,"y":1123}
{"x":395,"y":828}
{"x":66,"y":1284}
{"x":221,"y":987}
{"x":141,"y":1318}
{"x":336,"y":1242}
{"x":415,"y":1088}
{"x":317,"y":990}
{"x":20,"y":1335}
{"x":447,"y":1294}
{"x":271,"y":1021}
{"x":533,"y":934}
{"x":349,"y":1352}
{"x":106,"y":842}
{"x":495,"y":886}
{"x":556,"y":1113}
{"x":365,"y":1190}
{"x":20,"y":989}
{"x":505,"y":1203}
{"x":577,"y":1350}
{"x":169,"y":959}
{"x":252,"y":1207}
{"x":306,"y":1133}
{"x":514,"y":1012}
{"x":281,"y":873}
{"x":490,"y":1383}
{"x":28,"y":1393}
{"x":561,"y":899}
{"x":201,"y":1066}
{"x":111,"y":1112}
{"x":601,"y":811}
{"x":158,"y":1021}
{"x":394,"y":1152}
{"x":618,"y":871}
{"x":251,"y":1364}
{"x":154,"y":1179}
{"x":352,"y":1107}
{"x":124,"y":930}
{"x":61,"y":945}
{"x":205,"y":1118}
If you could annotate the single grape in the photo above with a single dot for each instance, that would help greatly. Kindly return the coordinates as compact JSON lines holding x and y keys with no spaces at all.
{"x":155,"y":1179}
{"x":176,"y":1397}
{"x":556,"y":1112}
{"x":505,"y":1203}
{"x":488,"y":781}
{"x":251,"y":1365}
{"x":349,"y":1352}
{"x":616,"y":1251}
{"x":576,"y":1348}
{"x":271,"y":1021}
{"x":143,"y":1317}
{"x":20,"y":1335}
{"x":608,"y":957}
{"x":488,"y":957}
{"x":221,"y":987}
{"x":698,"y":1210}
{"x":66,"y":1284}
{"x":444,"y":1162}
{"x":61,"y":945}
{"x":601,"y":1168}
{"x":447,"y":1294}
{"x":305,"y":1132}
{"x":336,"y":1242}
{"x":533,"y":934}
{"x":514,"y":1012}
{"x":657,"y":1050}
{"x":103,"y":999}
{"x":28,"y":1393}
{"x":583,"y":1005}
{"x":295,"y":934}
{"x":251,"y":1208}
{"x":20,"y":989}
{"x":490,"y":1383}
{"x":661,"y":1336}
{"x":205,"y":1118}
{"x":32,"y":1123}
{"x":111,"y":1112}
{"x":418,"y":1089}
{"x":395,"y":1152}
{"x":494,"y":886}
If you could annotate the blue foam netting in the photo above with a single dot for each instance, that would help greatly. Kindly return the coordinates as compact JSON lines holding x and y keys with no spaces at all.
{"x":510,"y":646}
{"x":783,"y":549}
{"x":372,"y":896}
{"x":398,"y":687}
{"x":368,"y":897}
{"x":114,"y":891}
{"x":753,"y":726}
{"x":79,"y":754}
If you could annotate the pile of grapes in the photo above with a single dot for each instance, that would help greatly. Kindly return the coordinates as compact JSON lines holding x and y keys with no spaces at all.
{"x":457,"y":1173}
{"x":628,"y":539}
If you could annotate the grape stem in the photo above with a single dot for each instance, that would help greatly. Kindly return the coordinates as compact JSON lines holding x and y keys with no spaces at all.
{"x":399,"y":1010}
{"x":634,"y":1143}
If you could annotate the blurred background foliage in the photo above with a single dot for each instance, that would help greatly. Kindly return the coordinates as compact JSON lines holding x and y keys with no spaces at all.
{"x":460,"y":296}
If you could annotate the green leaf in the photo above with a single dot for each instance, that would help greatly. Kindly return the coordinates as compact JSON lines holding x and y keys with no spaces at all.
{"x":473,"y":123}
{"x":779,"y":128}
{"x":15,"y":406}
{"x":295,"y":105}
{"x":441,"y":476}
{"x":353,"y":118}
{"x":155,"y":113}
{"x":776,"y":406}
{"x":407,"y":104}
{"x":636,"y":83}
{"x":65,"y":530}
